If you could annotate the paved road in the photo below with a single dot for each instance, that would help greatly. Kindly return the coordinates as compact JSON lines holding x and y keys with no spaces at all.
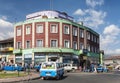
{"x":82,"y":78}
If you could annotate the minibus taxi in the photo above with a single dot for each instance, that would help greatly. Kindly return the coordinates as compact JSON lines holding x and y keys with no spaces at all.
{"x":51,"y":70}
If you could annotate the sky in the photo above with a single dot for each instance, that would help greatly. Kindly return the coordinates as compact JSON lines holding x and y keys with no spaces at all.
{"x":103,"y":16}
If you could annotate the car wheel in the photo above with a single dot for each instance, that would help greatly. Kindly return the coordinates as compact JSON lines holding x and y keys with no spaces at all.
{"x":73,"y":70}
{"x":58,"y":77}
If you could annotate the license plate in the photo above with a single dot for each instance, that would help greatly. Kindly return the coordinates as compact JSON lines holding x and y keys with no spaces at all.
{"x":47,"y":74}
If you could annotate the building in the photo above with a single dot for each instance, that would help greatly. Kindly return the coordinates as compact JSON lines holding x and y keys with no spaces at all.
{"x":112,"y":60}
{"x":54,"y":36}
{"x":6,"y":50}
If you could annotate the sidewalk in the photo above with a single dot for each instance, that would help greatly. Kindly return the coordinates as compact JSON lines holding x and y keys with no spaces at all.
{"x":31,"y":76}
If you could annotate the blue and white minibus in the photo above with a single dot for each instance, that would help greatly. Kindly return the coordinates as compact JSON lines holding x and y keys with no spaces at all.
{"x":51,"y":70}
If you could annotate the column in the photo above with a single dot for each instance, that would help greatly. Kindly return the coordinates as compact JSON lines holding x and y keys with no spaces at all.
{"x":71,"y":36}
{"x":33,"y":35}
{"x":23,"y":27}
{"x":46,"y":57}
{"x":46,"y":34}
{"x":33,"y":58}
{"x":61,"y":59}
{"x":60,"y":33}
{"x":78,"y":38}
{"x":85,"y":38}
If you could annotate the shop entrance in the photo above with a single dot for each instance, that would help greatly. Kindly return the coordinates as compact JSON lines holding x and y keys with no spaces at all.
{"x":53,"y":59}
{"x":84,"y":62}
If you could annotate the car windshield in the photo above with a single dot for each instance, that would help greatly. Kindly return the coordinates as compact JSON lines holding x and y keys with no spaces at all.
{"x":48,"y":66}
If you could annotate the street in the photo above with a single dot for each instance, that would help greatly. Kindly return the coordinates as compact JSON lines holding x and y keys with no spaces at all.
{"x":81,"y":78}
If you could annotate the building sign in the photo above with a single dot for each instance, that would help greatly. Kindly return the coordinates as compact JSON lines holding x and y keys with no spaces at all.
{"x":27,"y":55}
{"x":48,"y":14}
{"x":85,"y":51}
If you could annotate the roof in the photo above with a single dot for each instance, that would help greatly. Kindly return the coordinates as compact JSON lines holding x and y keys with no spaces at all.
{"x":7,"y":40}
{"x":113,"y":57}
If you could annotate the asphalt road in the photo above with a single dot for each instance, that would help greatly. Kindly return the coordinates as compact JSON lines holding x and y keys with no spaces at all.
{"x":82,"y":78}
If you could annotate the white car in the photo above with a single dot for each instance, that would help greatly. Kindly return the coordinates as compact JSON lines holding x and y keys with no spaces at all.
{"x":70,"y":67}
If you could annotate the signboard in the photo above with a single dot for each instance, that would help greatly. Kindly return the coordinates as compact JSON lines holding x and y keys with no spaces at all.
{"x":85,"y":51}
{"x":27,"y":55}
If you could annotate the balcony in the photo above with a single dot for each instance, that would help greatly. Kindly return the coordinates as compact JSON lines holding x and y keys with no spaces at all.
{"x":6,"y":49}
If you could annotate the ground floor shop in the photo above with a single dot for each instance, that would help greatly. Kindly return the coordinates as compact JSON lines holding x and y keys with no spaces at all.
{"x":36,"y":56}
{"x":10,"y":58}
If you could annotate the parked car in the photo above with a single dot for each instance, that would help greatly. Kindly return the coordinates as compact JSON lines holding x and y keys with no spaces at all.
{"x":13,"y":68}
{"x":70,"y":67}
{"x":101,"y":68}
{"x":37,"y":67}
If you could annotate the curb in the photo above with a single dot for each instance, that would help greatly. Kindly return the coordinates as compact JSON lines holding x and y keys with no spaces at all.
{"x":12,"y":80}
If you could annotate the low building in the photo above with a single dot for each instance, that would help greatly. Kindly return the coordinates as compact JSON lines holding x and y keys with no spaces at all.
{"x":112,"y":60}
{"x":6,"y":50}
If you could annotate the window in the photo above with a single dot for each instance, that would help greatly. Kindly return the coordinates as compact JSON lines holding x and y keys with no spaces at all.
{"x":98,"y":40}
{"x":28,"y":29}
{"x":18,"y":45}
{"x":81,"y":33}
{"x":27,"y":44}
{"x":81,"y":46}
{"x":88,"y":47}
{"x":39,"y":29}
{"x":75,"y":31}
{"x":95,"y":50}
{"x":54,"y":28}
{"x":54,"y":43}
{"x":66,"y":44}
{"x":88,"y":35}
{"x":92,"y":37}
{"x":92,"y":48}
{"x":39,"y":43}
{"x":18,"y":31}
{"x":95,"y":39}
{"x":75,"y":45}
{"x":66,"y":30}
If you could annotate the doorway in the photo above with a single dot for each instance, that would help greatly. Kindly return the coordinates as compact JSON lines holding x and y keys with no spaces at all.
{"x":53,"y":59}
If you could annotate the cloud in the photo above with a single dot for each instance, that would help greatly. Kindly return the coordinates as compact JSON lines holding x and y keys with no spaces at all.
{"x":114,"y":52}
{"x":112,"y":30}
{"x":93,"y":3}
{"x":6,"y":28}
{"x":91,"y":18}
{"x":110,"y":39}
{"x":5,"y":24}
{"x":79,"y":12}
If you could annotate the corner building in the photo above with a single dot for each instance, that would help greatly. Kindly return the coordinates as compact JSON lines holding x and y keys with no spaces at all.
{"x":54,"y":36}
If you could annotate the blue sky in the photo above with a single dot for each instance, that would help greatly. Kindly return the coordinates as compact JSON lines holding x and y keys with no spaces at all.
{"x":103,"y":16}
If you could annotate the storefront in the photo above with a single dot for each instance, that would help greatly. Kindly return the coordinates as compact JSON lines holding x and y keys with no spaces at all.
{"x":28,"y":58}
{"x":18,"y":59}
{"x":38,"y":58}
{"x":11,"y":58}
{"x":53,"y":57}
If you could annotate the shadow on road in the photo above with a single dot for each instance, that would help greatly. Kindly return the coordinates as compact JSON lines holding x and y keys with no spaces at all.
{"x":54,"y":79}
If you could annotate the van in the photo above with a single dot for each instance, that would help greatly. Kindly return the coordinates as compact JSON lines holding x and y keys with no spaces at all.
{"x":69,"y":67}
{"x":51,"y":70}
